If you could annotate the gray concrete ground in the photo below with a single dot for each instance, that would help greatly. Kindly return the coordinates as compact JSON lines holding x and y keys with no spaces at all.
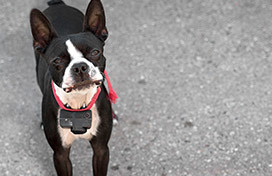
{"x":194,"y":81}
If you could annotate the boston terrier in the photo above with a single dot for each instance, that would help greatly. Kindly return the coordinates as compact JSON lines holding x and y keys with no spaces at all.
{"x":70,"y":68}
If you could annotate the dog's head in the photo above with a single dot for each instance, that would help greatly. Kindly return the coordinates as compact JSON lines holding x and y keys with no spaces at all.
{"x":76,"y":61}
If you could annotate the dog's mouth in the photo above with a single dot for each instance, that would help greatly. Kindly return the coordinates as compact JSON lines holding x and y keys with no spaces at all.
{"x":83,"y":85}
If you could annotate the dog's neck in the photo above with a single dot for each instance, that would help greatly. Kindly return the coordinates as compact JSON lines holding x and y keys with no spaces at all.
{"x":76,"y":99}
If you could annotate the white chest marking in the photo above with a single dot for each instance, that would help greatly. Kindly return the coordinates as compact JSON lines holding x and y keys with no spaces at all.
{"x":67,"y":137}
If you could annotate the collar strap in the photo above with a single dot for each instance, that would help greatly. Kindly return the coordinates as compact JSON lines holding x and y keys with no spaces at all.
{"x":74,"y":110}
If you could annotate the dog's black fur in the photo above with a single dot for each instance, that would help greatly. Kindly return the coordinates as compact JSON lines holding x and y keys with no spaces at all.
{"x":50,"y":30}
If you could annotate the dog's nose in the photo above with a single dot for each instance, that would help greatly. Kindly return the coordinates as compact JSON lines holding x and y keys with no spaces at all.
{"x":80,"y":68}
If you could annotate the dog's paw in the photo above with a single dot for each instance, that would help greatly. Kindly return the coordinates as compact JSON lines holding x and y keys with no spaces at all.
{"x":114,"y":119}
{"x":41,"y":126}
{"x":115,"y":122}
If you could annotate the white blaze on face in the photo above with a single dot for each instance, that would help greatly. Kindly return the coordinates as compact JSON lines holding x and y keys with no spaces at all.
{"x":74,"y":53}
{"x":77,"y":57}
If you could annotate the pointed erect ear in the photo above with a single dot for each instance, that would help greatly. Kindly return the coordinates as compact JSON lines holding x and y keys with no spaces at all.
{"x":42,"y":31}
{"x":94,"y":20}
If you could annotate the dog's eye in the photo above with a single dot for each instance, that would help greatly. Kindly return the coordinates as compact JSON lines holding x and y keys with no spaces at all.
{"x":57,"y":60}
{"x":93,"y":55}
{"x":57,"y":63}
{"x":95,"y":52}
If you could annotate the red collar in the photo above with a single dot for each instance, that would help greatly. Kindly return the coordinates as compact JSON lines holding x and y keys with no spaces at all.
{"x":111,"y":95}
{"x":74,"y":110}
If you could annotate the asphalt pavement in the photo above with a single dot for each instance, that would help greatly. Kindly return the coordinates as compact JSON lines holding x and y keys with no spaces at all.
{"x":194,"y":84}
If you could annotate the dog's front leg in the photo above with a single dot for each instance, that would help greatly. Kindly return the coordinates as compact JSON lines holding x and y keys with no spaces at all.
{"x":62,"y":162}
{"x":100,"y":157}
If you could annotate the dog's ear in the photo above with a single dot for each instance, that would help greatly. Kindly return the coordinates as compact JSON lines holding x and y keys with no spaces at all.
{"x":42,"y":31}
{"x":95,"y":21}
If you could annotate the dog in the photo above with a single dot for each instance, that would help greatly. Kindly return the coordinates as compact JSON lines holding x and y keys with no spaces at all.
{"x":70,"y":67}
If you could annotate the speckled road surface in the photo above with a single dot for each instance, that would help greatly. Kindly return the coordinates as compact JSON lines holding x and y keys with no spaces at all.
{"x":194,"y":80}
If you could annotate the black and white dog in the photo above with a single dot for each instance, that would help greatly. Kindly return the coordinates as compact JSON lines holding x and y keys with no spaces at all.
{"x":70,"y":72}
